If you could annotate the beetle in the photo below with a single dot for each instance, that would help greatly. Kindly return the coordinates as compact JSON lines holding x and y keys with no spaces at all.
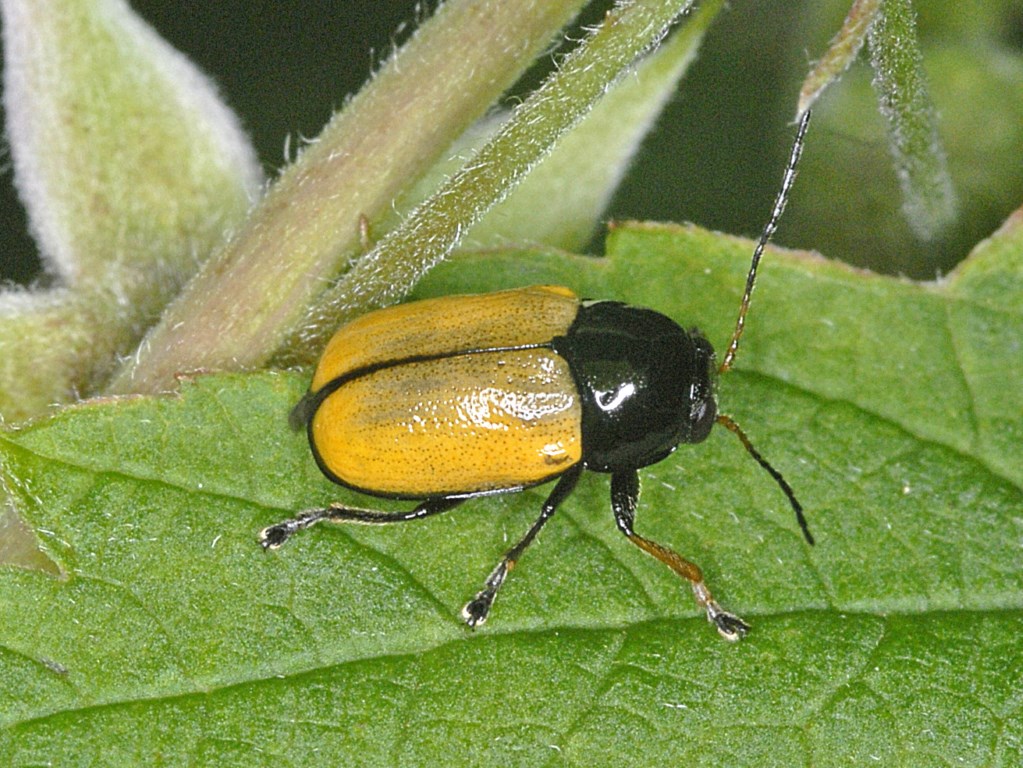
{"x":453,"y":398}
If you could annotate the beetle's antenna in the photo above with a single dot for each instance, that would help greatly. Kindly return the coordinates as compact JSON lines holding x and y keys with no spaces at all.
{"x":727,"y":422}
{"x":765,"y":237}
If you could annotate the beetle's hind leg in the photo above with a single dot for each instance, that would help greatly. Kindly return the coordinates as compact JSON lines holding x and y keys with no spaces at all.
{"x":624,"y":498}
{"x":476,"y":610}
{"x":274,"y":536}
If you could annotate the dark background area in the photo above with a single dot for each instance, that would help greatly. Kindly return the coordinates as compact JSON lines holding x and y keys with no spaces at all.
{"x":715,"y":157}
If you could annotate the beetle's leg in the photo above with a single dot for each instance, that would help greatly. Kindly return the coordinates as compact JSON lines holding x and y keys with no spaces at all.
{"x":275,"y":535}
{"x":476,"y":610}
{"x":624,"y":498}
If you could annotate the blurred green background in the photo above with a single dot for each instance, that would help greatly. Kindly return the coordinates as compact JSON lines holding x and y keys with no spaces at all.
{"x":716,"y":156}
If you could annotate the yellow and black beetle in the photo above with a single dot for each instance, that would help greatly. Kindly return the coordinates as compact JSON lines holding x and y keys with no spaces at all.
{"x":452,"y":398}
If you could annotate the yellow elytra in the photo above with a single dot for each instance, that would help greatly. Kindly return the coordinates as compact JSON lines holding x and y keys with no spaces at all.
{"x":446,"y":396}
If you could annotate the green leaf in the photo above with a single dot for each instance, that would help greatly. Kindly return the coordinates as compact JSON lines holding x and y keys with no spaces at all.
{"x":892,"y":407}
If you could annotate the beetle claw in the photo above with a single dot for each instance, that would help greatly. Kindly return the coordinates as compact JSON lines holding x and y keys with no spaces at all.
{"x":476,"y":610}
{"x":274,"y":536}
{"x":730,"y":626}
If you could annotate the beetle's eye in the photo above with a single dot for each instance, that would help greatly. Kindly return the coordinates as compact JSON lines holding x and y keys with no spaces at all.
{"x":702,"y":414}
{"x":697,"y":411}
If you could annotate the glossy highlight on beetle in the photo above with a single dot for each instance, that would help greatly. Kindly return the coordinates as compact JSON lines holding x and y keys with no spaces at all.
{"x":447,"y":399}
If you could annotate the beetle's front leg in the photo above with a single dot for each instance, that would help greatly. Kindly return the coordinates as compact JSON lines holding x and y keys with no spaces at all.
{"x":624,"y":498}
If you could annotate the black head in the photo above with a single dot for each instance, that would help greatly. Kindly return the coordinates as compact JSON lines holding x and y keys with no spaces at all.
{"x":646,"y":384}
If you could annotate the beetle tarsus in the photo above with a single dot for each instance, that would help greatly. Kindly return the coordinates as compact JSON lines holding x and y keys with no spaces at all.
{"x":274,"y":536}
{"x":730,"y":626}
{"x":476,"y":610}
